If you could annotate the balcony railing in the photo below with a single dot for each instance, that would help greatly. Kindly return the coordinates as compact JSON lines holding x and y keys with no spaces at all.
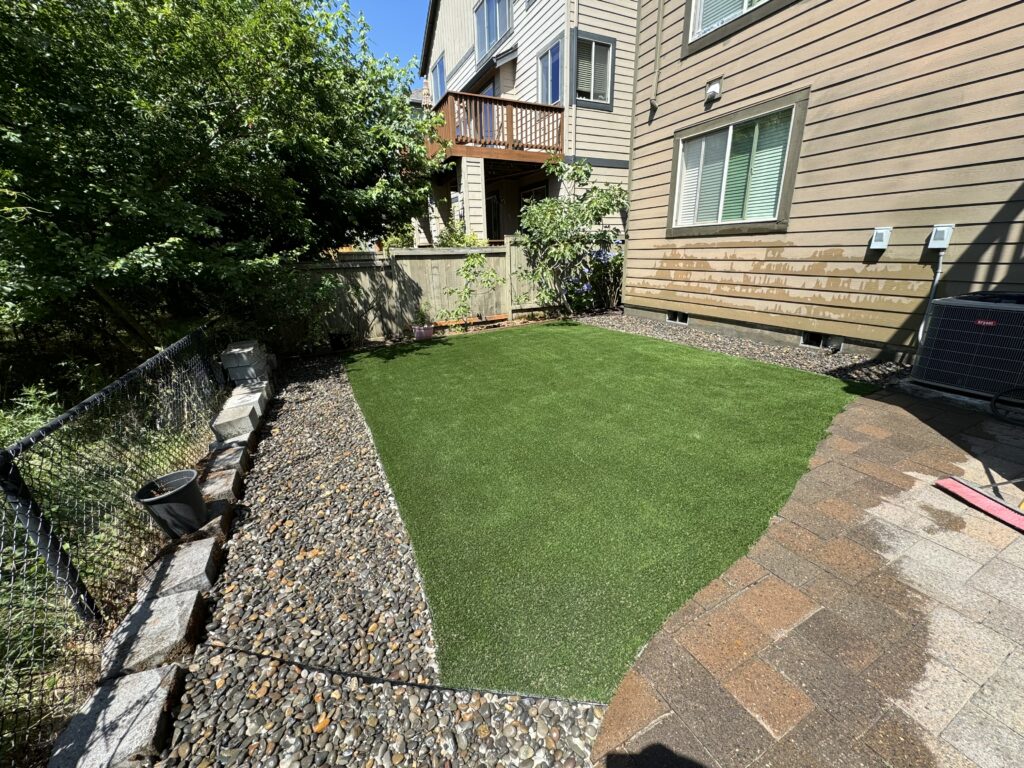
{"x":489,"y":127}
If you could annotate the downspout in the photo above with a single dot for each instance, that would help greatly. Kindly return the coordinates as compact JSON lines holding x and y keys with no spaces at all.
{"x":657,"y":51}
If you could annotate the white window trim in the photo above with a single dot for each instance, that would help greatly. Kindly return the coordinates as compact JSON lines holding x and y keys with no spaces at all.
{"x":482,"y":52}
{"x":544,"y":77}
{"x":681,"y":170}
{"x":698,"y":8}
{"x":436,"y":97}
{"x":799,"y":102}
{"x":581,"y":39}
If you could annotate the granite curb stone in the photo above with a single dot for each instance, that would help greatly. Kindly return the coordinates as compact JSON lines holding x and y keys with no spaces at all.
{"x":123,"y":722}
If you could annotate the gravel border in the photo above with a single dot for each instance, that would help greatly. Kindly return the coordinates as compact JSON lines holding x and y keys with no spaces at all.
{"x":320,"y":649}
{"x":841,"y":365}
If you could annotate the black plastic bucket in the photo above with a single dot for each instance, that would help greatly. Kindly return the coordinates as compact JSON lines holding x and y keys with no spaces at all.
{"x":175,"y":502}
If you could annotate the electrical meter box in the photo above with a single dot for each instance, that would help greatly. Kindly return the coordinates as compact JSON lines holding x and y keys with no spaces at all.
{"x":942,"y":236}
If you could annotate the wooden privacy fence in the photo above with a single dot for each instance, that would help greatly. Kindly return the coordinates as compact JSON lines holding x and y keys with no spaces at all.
{"x":379,"y":294}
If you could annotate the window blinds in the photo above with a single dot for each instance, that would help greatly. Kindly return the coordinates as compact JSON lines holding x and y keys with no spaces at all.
{"x":714,"y":13}
{"x":734,"y":174}
{"x":593,"y":70}
{"x":584,"y":69}
{"x":602,"y":54}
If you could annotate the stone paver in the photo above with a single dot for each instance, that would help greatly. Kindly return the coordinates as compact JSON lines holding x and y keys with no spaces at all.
{"x":878,"y":622}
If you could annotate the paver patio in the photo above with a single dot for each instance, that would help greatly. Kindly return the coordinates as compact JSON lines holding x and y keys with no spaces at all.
{"x":878,"y":622}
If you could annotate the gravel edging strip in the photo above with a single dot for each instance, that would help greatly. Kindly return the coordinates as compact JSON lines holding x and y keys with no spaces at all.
{"x":320,"y":649}
{"x":841,"y":365}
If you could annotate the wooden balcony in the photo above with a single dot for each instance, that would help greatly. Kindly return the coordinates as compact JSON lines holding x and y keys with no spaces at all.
{"x":500,"y":129}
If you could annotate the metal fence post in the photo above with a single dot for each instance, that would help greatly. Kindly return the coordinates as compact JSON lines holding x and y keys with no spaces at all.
{"x":48,"y":544}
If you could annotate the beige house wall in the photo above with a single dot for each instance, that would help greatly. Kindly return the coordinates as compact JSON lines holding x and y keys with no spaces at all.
{"x":915,"y":119}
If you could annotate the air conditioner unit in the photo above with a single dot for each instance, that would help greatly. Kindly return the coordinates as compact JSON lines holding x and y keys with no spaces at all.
{"x":973,"y":343}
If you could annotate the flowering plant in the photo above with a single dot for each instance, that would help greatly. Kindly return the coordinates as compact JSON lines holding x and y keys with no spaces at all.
{"x":573,"y":254}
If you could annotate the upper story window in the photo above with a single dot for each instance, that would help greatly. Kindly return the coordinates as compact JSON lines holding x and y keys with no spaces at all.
{"x":736,"y":173}
{"x":438,"y":87}
{"x":709,"y":15}
{"x":594,"y":70}
{"x":709,"y":21}
{"x":551,"y":74}
{"x":492,"y":20}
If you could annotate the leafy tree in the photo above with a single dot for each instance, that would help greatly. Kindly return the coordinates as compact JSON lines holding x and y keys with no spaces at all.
{"x":160,"y":159}
{"x":573,"y":257}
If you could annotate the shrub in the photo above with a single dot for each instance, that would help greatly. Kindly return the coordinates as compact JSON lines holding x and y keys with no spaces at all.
{"x":573,"y":257}
{"x":454,"y":235}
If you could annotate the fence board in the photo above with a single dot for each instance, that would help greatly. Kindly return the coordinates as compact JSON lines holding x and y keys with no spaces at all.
{"x":378,"y":295}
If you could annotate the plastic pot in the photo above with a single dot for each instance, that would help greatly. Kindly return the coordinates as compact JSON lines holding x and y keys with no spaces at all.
{"x":423,"y":332}
{"x":175,"y":502}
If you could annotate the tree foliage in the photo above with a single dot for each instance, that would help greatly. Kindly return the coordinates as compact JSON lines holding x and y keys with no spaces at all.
{"x":573,"y":255}
{"x":163,"y":158}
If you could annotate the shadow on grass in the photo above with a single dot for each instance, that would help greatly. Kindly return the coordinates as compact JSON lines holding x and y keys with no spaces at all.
{"x":387,"y":353}
{"x":655,"y":756}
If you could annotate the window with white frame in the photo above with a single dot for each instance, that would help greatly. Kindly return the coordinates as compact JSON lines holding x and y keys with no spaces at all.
{"x":438,"y":87}
{"x":709,"y":15}
{"x":551,"y":75}
{"x":593,"y":71}
{"x":492,"y":20}
{"x":733,"y":174}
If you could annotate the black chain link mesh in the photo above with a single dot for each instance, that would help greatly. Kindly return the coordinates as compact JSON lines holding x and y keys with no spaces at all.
{"x":72,"y":540}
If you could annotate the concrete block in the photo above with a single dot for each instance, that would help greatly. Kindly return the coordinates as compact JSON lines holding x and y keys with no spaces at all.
{"x":221,"y":485}
{"x":254,"y":394}
{"x":154,"y":633}
{"x":126,"y":720}
{"x":232,"y":422}
{"x":247,"y":441}
{"x":222,"y":456}
{"x":222,"y":515}
{"x":247,"y":374}
{"x":191,"y":566}
{"x":240,"y":353}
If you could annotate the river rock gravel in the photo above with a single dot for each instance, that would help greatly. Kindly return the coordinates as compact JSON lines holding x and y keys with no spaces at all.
{"x":842,"y":365}
{"x":319,"y":649}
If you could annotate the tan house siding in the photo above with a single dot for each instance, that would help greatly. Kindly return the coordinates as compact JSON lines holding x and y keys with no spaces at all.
{"x":915,"y":118}
{"x":471,"y":191}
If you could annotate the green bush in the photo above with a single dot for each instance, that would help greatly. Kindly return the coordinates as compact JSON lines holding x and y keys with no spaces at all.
{"x":573,"y":257}
{"x":454,"y":235}
{"x":26,"y":412}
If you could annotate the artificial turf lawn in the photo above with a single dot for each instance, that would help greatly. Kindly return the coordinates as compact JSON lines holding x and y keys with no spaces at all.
{"x":567,"y":488}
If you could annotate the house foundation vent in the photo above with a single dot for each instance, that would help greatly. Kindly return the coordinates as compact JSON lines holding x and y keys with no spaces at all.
{"x":973,"y":343}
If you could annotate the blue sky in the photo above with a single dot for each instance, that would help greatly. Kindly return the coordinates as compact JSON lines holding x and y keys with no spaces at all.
{"x":396,"y":26}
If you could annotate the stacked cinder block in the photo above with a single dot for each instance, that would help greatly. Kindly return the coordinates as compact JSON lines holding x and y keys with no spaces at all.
{"x":128,"y":718}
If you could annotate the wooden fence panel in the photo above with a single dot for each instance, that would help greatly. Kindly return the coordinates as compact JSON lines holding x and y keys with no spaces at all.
{"x":378,"y":295}
{"x":522,"y":293}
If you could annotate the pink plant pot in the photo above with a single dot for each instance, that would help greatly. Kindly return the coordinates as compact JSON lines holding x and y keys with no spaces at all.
{"x":423,"y":332}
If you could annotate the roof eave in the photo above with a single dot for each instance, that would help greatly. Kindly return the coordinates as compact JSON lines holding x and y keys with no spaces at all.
{"x":428,"y":37}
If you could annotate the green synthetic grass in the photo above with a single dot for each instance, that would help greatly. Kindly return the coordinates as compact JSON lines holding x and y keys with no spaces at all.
{"x":567,"y":488}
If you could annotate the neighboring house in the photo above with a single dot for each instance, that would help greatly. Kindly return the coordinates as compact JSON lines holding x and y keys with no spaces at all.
{"x":518,"y":81}
{"x":773,"y":136}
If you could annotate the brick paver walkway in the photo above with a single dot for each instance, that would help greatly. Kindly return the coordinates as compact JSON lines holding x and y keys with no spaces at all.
{"x":878,"y":622}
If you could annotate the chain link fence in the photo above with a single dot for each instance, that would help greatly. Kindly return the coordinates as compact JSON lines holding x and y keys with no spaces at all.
{"x":72,"y":540}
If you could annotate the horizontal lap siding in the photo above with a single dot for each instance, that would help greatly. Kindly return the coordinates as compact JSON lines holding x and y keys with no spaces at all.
{"x":534,"y":28}
{"x":598,"y":133}
{"x":454,"y":36}
{"x":915,"y":118}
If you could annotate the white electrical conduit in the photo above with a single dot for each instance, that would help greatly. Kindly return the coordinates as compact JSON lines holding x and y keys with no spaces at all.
{"x":931,"y":297}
